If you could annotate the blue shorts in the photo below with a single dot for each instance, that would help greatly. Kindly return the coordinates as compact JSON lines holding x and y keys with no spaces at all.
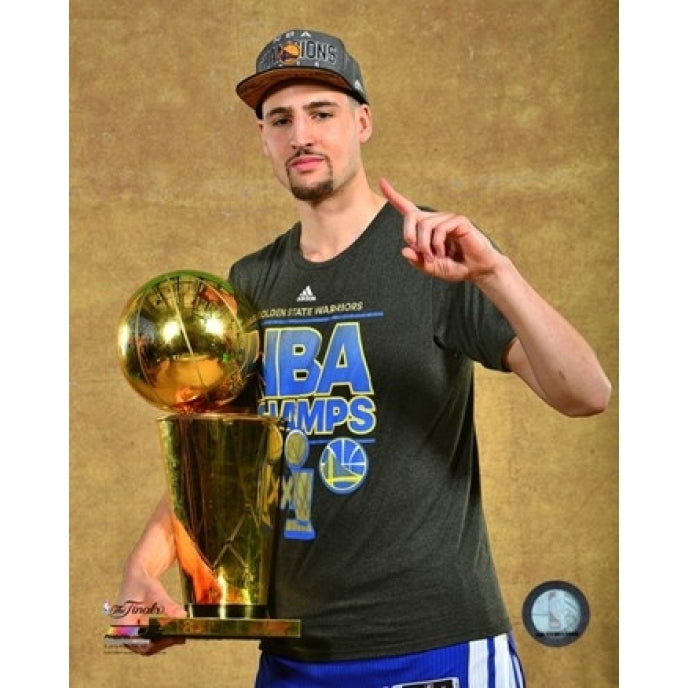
{"x":487,"y":663}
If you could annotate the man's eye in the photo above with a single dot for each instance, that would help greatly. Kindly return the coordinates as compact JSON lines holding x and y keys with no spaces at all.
{"x":322,"y":115}
{"x":280,"y":122}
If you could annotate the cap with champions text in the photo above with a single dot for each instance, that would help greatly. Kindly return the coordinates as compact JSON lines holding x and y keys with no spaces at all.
{"x":302,"y":54}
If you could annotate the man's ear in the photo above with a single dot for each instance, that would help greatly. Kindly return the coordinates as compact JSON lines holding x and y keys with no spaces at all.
{"x":365,"y":123}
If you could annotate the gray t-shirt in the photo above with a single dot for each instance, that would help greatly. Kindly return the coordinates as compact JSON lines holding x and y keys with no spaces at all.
{"x":382,"y":548}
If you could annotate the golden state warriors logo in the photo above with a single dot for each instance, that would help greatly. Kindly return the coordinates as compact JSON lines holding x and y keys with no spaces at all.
{"x":343,"y":465}
{"x":288,"y":53}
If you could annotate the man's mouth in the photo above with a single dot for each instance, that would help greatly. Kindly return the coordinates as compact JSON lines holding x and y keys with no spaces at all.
{"x":305,"y":163}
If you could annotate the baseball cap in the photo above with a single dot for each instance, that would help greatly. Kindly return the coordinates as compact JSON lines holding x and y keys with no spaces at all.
{"x":302,"y":54}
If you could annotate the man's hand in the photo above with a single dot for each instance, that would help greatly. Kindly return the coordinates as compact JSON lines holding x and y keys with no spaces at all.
{"x":441,"y":244}
{"x":139,"y":597}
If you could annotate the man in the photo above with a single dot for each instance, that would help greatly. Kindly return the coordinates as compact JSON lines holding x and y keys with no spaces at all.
{"x":385,"y":556}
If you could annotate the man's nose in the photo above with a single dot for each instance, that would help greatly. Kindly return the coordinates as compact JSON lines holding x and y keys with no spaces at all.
{"x":302,"y":132}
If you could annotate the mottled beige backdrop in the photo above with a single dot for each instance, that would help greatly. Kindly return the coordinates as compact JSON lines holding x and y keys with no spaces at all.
{"x":503,"y":110}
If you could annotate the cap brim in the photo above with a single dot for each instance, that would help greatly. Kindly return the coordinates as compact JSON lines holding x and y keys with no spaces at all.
{"x":253,"y":89}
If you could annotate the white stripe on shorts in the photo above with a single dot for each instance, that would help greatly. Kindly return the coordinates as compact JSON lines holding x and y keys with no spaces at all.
{"x":493,"y":664}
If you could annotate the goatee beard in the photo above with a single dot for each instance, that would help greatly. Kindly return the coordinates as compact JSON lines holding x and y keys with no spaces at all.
{"x":313,"y":194}
{"x":316,"y":193}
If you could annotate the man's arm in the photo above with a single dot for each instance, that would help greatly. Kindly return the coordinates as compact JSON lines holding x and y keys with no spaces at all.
{"x":548,"y":353}
{"x":140,"y":588}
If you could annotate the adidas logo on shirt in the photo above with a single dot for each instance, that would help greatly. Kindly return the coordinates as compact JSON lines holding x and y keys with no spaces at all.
{"x":306,"y":295}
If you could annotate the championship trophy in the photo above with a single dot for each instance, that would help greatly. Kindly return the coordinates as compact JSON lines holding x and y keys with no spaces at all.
{"x":189,"y":343}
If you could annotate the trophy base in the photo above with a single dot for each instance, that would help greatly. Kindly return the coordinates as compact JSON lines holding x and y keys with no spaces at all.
{"x":227,"y":627}
{"x":204,"y":628}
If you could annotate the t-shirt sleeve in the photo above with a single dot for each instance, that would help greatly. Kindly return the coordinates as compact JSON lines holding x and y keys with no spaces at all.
{"x":466,"y":322}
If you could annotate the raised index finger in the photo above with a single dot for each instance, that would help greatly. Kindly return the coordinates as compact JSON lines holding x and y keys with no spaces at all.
{"x":401,"y":203}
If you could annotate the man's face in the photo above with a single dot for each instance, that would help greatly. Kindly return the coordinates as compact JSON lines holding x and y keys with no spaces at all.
{"x":312,"y":135}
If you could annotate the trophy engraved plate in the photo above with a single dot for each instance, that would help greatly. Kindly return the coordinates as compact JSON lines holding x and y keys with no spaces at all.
{"x":189,"y":343}
{"x":218,"y":629}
